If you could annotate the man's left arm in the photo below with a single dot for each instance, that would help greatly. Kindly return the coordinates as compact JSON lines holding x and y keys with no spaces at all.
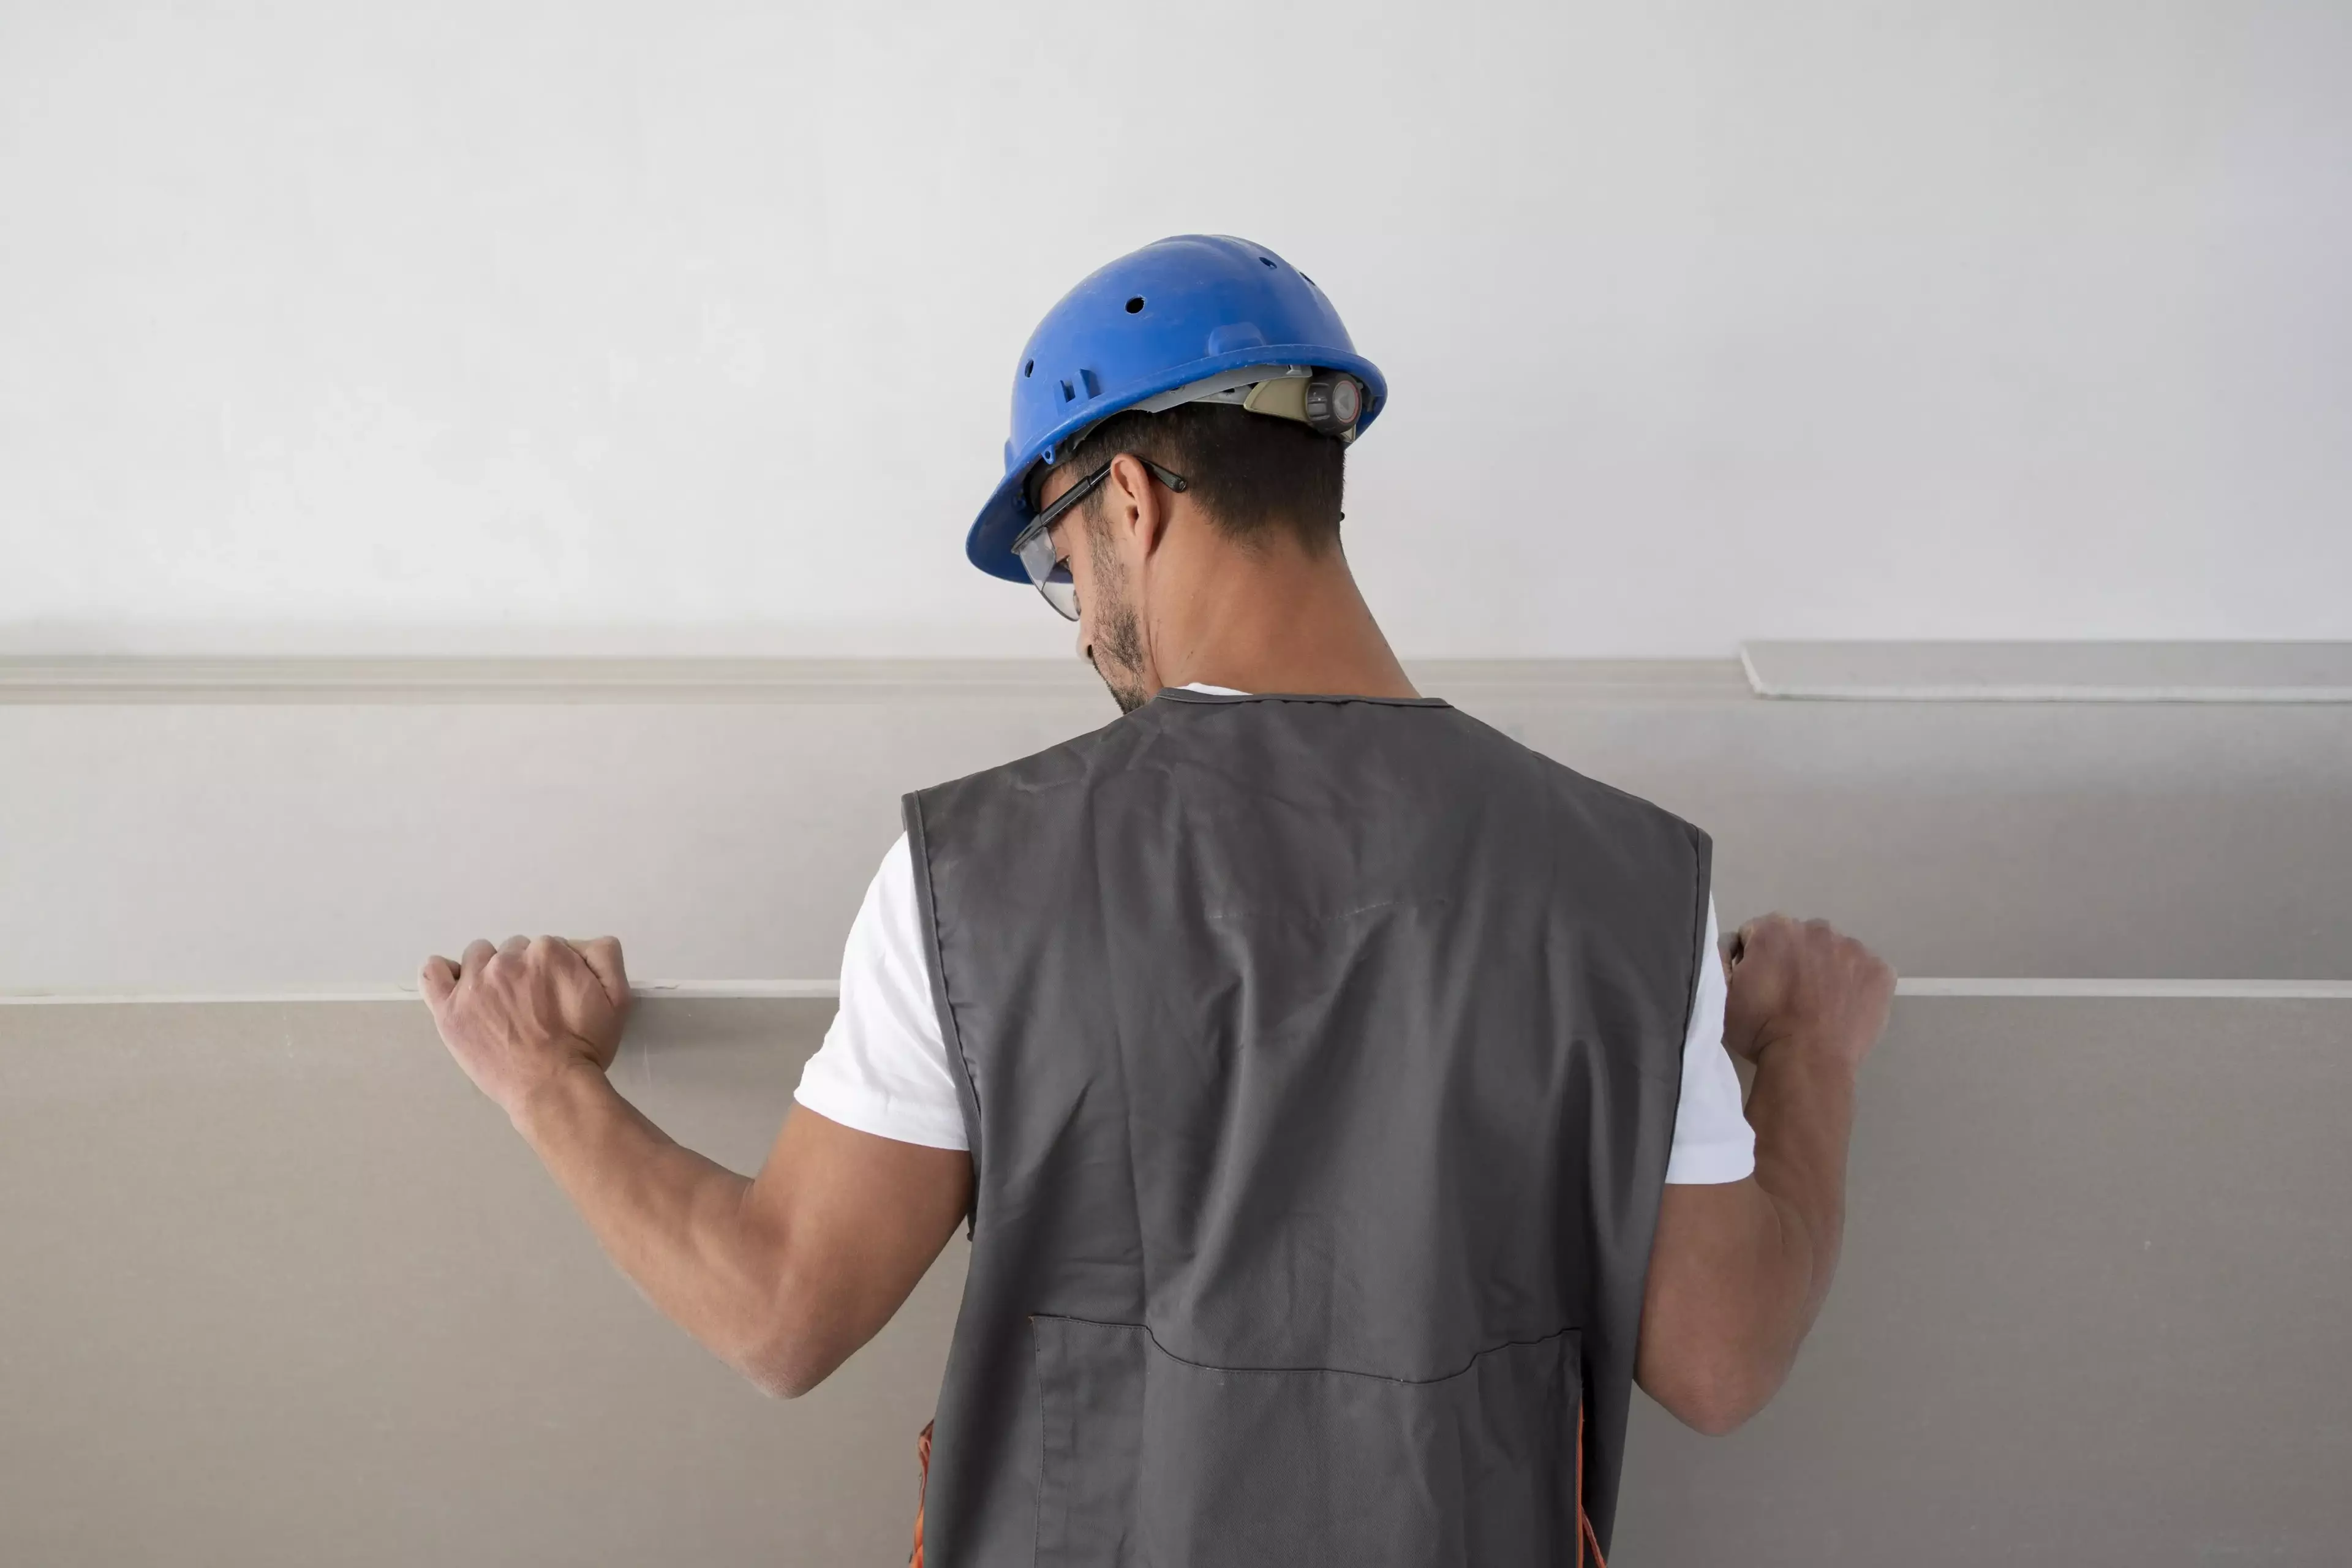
{"x":783,"y":1276}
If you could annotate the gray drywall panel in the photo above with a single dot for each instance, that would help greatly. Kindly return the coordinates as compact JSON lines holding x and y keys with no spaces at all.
{"x":283,"y":1288}
{"x":2090,"y":1309}
{"x":230,"y":846}
{"x":2005,"y":839}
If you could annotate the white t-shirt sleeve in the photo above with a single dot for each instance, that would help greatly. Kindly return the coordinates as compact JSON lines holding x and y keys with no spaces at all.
{"x":1713,"y":1142}
{"x":883,"y":1067}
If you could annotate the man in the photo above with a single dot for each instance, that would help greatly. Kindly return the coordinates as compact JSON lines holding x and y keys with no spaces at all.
{"x":1340,"y":1094}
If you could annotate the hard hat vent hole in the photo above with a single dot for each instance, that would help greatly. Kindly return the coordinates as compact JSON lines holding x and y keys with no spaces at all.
{"x":1135,"y":305}
{"x":1310,"y":282}
{"x":1029,"y":369}
{"x":1269,"y":260}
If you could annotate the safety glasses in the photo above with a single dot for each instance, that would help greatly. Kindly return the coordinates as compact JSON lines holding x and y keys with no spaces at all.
{"x":1035,"y":544}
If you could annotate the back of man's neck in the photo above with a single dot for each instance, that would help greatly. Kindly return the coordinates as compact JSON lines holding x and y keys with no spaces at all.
{"x":1300,"y":626}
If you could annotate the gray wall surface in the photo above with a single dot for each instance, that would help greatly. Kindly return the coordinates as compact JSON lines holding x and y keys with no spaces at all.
{"x":282,"y":1288}
{"x":2091,"y":1311}
{"x":208,"y":847}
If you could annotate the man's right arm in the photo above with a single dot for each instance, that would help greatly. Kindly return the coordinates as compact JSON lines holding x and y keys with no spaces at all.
{"x":1739,"y":1269}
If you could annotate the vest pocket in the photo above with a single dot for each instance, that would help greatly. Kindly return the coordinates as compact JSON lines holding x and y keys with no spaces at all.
{"x":1149,"y":1461}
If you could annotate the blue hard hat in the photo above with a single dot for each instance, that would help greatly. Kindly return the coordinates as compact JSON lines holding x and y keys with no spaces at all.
{"x":1176,"y":312}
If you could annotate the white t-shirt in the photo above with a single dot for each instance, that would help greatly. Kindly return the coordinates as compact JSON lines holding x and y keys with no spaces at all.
{"x":883,"y":1067}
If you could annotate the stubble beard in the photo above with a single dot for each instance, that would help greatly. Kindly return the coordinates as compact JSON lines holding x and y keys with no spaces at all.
{"x":1116,"y":652}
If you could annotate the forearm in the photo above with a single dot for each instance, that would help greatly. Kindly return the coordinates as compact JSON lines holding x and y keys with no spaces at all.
{"x":1739,"y":1269}
{"x":675,"y":1222}
{"x":1802,"y":1107}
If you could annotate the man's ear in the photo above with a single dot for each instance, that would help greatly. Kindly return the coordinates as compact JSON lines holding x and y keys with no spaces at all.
{"x":1142,"y":505}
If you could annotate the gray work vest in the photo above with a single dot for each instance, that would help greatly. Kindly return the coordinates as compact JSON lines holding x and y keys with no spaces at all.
{"x":1319,"y":1056}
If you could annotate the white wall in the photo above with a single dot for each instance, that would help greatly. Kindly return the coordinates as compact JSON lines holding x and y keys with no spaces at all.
{"x":605,"y":324}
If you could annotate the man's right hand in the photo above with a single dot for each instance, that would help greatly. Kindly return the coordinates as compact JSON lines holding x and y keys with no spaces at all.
{"x":1794,"y":979}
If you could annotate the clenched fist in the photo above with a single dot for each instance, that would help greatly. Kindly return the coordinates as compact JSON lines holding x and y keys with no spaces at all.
{"x":517,"y":1018}
{"x":1802,"y":979}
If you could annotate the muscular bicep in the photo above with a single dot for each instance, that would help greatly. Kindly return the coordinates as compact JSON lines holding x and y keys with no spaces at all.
{"x":1715,"y":1307}
{"x":852,"y":1221}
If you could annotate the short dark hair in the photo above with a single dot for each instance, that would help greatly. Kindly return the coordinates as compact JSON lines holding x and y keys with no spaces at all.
{"x":1251,"y":473}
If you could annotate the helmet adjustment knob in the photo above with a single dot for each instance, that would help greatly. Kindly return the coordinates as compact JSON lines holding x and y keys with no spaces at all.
{"x":1334,"y":402}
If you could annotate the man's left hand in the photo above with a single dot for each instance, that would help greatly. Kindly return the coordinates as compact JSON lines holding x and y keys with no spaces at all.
{"x":519,"y":1017}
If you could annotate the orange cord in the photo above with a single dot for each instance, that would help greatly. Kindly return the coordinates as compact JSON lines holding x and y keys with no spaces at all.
{"x":923,"y":1454}
{"x":1584,"y":1530}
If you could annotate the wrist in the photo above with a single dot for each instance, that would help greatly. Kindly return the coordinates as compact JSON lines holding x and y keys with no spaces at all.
{"x":1813,"y":1052}
{"x":556,"y":1096}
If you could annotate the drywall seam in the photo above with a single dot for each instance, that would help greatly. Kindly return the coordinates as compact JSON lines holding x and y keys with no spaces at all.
{"x":644,"y":990}
{"x":825,"y":990}
{"x":2147,"y":990}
